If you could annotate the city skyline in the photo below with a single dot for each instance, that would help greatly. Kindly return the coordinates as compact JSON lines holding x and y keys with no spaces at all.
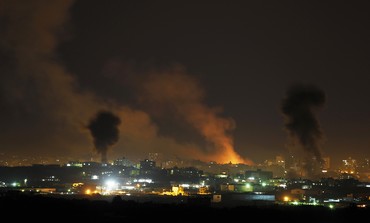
{"x":199,"y":81}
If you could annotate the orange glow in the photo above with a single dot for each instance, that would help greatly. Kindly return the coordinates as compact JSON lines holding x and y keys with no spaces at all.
{"x":87,"y":191}
{"x":227,"y":154}
{"x":286,"y":198}
{"x":180,"y":92}
{"x":222,"y":154}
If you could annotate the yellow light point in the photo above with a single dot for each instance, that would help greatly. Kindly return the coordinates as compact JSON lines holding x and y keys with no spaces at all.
{"x":286,"y":198}
{"x":87,"y":191}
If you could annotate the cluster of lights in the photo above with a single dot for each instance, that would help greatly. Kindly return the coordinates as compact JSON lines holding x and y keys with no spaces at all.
{"x":111,"y":185}
{"x":143,"y":180}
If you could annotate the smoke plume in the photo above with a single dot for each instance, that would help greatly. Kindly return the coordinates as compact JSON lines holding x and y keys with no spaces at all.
{"x":104,"y":129}
{"x":301,"y":122}
{"x":44,"y":110}
{"x":182,"y":95}
{"x":42,"y":104}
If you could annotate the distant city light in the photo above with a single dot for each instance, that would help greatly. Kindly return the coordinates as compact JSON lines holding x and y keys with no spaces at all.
{"x":144,"y":180}
{"x":111,"y":185}
{"x":286,"y":198}
{"x":128,"y":187}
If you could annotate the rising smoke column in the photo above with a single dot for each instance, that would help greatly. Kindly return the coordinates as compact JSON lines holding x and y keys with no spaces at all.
{"x":176,"y":90}
{"x":38,"y":95}
{"x":104,"y":129}
{"x":43,"y":109}
{"x":301,"y":122}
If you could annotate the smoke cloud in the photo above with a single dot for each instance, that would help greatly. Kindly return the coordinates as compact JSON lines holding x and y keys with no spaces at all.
{"x":140,"y":136}
{"x":182,"y":95}
{"x":104,"y":129}
{"x":43,"y":106}
{"x":301,"y":122}
{"x":43,"y":111}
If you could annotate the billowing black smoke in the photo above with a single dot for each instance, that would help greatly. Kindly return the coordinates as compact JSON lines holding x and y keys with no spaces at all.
{"x":104,"y":129}
{"x":301,"y":123}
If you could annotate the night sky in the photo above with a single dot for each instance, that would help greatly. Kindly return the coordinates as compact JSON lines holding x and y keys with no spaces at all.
{"x":188,"y":79}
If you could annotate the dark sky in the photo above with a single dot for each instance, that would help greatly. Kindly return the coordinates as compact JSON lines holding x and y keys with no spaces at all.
{"x":65,"y":60}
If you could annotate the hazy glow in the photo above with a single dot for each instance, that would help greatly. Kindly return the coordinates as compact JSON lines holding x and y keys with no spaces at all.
{"x":144,"y":180}
{"x":227,"y":154}
{"x":182,"y":95}
{"x":111,"y":185}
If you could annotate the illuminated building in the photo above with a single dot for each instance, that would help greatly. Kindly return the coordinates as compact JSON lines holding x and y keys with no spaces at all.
{"x":258,"y":175}
{"x":146,"y":167}
{"x":122,"y":162}
{"x":326,"y":164}
{"x":147,"y":164}
{"x":349,"y":166}
{"x":74,"y":164}
{"x":153,"y":156}
{"x":280,"y":161}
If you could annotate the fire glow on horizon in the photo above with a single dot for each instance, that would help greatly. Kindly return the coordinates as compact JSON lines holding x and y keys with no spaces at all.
{"x":182,"y":94}
{"x":66,"y":108}
{"x":227,"y":155}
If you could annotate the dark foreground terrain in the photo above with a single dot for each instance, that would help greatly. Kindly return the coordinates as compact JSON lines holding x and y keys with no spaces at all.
{"x":53,"y":209}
